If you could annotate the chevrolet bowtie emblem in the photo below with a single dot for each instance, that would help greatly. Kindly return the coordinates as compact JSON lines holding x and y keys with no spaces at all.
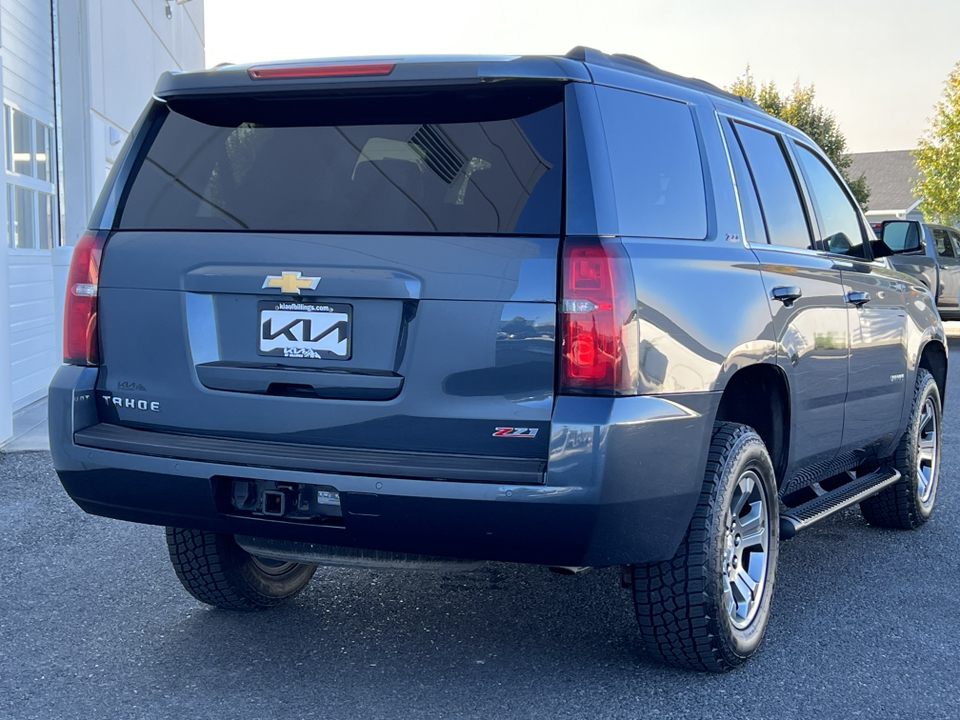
{"x":291,"y":282}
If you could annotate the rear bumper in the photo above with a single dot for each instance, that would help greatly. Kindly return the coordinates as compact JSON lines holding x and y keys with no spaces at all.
{"x":622,"y":480}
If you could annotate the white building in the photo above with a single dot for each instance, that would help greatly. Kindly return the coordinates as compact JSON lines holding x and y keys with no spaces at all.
{"x":75,"y":76}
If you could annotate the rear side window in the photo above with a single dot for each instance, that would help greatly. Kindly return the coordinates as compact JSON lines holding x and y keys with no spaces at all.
{"x":476,"y":161}
{"x":655,"y":159}
{"x":779,"y":198}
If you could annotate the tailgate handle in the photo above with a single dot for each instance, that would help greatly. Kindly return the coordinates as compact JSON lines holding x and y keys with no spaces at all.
{"x":333,"y":384}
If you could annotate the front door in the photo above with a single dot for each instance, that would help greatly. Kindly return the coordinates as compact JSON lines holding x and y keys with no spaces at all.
{"x":878,"y":380}
{"x":875,"y":312}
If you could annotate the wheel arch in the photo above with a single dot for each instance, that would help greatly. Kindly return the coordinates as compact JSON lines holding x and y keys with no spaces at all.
{"x":933,"y":359}
{"x":758,"y":396}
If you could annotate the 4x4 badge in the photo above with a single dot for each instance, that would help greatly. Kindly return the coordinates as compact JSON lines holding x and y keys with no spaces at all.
{"x":291,"y":282}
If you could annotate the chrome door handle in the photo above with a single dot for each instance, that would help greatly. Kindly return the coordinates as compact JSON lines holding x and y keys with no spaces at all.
{"x":786,"y":294}
{"x":858,"y":298}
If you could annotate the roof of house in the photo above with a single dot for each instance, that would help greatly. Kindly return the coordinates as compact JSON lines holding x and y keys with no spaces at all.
{"x":890,"y":176}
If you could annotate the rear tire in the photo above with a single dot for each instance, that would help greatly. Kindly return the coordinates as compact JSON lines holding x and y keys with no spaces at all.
{"x":908,"y":503}
{"x":217,"y":571}
{"x":708,"y":607}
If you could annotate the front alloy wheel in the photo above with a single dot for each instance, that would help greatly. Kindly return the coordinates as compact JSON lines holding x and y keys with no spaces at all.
{"x":908,"y":503}
{"x":928,"y":453}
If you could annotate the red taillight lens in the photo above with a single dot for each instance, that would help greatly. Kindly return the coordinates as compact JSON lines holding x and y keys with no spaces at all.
{"x":593,"y":313}
{"x":289,"y":72}
{"x":81,"y":339}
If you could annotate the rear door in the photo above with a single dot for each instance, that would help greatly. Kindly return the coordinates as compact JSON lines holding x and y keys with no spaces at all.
{"x":804,"y":289}
{"x":354,"y":271}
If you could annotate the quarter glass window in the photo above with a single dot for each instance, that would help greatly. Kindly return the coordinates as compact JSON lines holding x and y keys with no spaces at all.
{"x":655,"y":159}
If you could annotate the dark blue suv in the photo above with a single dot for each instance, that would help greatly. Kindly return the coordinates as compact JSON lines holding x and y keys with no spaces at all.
{"x":428,"y":312}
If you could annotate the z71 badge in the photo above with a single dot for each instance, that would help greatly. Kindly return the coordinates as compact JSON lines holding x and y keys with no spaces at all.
{"x":516,"y":432}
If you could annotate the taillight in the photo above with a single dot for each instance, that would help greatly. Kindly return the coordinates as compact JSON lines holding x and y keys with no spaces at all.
{"x":290,"y":72}
{"x":81,"y":339}
{"x":596,"y":307}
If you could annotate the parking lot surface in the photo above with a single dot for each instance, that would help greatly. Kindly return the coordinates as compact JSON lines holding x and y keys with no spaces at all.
{"x":94,"y":624}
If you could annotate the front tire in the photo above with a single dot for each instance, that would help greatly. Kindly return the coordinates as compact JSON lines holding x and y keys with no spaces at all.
{"x":218,"y":572}
{"x":708,"y":607}
{"x":908,"y":503}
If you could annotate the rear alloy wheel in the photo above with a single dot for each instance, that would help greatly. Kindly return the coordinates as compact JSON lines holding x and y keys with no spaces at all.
{"x":745,"y":553}
{"x":708,"y":607}
{"x":908,"y":504}
{"x":217,"y":571}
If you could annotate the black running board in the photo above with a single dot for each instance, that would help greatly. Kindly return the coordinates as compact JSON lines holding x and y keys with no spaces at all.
{"x":795,"y":519}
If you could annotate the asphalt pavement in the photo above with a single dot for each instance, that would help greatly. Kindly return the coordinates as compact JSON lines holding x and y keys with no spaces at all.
{"x":94,"y":624}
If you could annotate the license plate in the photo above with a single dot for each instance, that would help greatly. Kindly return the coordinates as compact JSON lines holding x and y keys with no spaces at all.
{"x":305,"y":330}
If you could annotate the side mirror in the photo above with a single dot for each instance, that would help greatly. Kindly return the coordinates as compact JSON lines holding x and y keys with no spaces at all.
{"x":901,"y":236}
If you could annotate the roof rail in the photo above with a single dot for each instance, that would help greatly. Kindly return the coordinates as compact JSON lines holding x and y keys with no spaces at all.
{"x":638,"y":66}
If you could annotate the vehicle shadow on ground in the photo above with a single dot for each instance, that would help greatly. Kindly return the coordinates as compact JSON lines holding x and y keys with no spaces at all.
{"x":386,"y":618}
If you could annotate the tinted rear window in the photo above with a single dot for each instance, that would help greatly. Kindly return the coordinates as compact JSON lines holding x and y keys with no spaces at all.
{"x":471,"y":161}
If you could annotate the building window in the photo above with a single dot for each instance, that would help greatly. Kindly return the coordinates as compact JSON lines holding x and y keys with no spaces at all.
{"x":31,"y":201}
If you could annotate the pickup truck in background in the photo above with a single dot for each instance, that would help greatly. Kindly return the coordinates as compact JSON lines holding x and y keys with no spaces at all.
{"x":931,"y":253}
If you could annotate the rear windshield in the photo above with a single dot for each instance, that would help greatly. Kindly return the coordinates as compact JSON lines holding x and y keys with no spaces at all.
{"x":484,"y":160}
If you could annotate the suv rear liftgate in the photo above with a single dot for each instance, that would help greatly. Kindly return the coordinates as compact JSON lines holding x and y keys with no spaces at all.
{"x":348,"y":284}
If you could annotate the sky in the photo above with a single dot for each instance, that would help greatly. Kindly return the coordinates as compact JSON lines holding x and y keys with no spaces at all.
{"x":878,"y":65}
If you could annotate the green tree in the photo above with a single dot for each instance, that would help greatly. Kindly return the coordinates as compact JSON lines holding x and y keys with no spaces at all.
{"x":799,"y":109}
{"x":938,"y":157}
